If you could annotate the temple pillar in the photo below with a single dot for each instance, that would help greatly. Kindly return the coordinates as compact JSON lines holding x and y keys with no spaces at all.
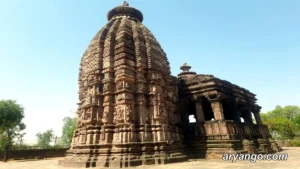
{"x":235,"y":110}
{"x":257,"y":118}
{"x":199,"y":111}
{"x":256,"y":114}
{"x":237,"y":117}
{"x":184,"y":115}
{"x":217,"y":108}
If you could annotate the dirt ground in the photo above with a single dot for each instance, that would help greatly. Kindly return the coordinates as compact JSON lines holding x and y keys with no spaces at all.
{"x":293,"y":162}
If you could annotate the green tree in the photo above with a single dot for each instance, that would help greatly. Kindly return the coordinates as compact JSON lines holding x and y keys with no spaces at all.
{"x":45,"y":138}
{"x":11,"y":116}
{"x":68,"y":129}
{"x":284,"y":122}
{"x":3,"y":141}
{"x":296,"y":121}
{"x":20,"y":139}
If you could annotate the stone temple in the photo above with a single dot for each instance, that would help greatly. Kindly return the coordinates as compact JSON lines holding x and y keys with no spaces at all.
{"x":132,"y":111}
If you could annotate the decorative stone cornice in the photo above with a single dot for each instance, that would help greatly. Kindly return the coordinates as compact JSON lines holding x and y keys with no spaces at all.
{"x":198,"y":79}
{"x":200,"y":83}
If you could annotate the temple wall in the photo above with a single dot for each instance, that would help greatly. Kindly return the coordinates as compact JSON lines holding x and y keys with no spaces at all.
{"x":35,"y":153}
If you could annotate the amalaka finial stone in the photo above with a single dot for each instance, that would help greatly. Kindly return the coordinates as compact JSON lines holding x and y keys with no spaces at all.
{"x":125,"y":3}
{"x":125,"y":10}
{"x":185,"y":67}
{"x":185,"y":71}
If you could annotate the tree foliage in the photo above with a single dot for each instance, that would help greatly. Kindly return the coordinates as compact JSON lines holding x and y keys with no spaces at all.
{"x":11,"y":116}
{"x":284,"y":122}
{"x":3,"y":141}
{"x":45,"y":138}
{"x":68,"y":129}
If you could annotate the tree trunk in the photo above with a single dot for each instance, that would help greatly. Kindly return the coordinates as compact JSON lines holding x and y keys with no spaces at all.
{"x":8,"y":146}
{"x":5,"y":156}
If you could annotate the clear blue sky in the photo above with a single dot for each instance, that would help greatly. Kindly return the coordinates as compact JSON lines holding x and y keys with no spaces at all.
{"x":254,"y":44}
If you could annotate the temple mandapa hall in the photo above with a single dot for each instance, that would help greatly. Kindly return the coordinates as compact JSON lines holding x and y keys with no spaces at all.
{"x":132,"y":111}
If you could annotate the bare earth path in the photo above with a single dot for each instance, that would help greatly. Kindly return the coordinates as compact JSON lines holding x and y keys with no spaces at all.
{"x":293,"y":162}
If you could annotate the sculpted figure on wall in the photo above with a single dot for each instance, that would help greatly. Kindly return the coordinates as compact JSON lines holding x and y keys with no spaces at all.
{"x":105,"y":115}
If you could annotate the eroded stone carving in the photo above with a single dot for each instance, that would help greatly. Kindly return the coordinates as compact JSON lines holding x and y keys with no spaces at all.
{"x":105,"y":115}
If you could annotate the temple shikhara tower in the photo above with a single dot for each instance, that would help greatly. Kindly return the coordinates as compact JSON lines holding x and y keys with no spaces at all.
{"x":132,"y":111}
